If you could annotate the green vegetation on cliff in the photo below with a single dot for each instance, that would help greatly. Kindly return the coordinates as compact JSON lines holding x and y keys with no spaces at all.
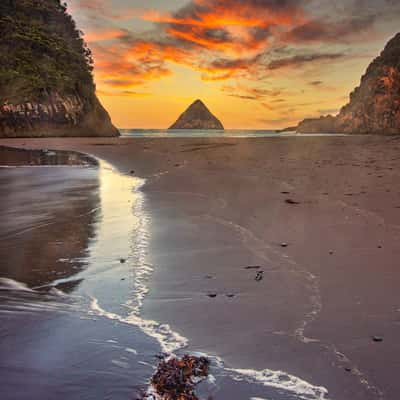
{"x":42,"y":52}
{"x":46,"y":81}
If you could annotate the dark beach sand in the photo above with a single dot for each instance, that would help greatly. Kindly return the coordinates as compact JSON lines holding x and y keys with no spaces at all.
{"x":219,"y":205}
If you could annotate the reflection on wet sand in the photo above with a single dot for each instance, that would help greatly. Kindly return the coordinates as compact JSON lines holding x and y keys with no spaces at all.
{"x":47,"y":215}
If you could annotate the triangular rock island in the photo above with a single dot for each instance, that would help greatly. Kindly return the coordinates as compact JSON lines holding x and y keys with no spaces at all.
{"x":197,"y":116}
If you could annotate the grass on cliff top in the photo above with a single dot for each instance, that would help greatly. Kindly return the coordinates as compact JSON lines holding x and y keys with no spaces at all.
{"x":41,"y":52}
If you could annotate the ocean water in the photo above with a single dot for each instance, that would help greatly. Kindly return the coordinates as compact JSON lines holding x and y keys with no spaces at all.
{"x":200,"y":133}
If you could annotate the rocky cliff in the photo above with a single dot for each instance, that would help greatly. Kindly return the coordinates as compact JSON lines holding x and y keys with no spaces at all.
{"x":197,"y":116}
{"x":46,"y":82}
{"x":374,"y":106}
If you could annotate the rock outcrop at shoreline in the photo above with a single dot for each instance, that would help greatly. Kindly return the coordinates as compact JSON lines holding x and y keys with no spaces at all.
{"x":374,"y":106}
{"x":46,"y":82}
{"x":197,"y":116}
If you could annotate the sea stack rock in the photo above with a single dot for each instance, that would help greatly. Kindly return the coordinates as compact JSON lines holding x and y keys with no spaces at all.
{"x":46,"y":82}
{"x":374,"y":106}
{"x":197,"y":116}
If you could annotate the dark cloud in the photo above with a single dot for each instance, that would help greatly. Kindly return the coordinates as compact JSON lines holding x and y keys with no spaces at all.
{"x":330,"y":32}
{"x":299,"y":60}
{"x":250,"y":92}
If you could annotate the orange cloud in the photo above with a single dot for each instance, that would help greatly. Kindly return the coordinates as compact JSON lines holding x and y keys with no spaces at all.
{"x":100,"y":35}
{"x":221,"y":39}
{"x":228,"y":26}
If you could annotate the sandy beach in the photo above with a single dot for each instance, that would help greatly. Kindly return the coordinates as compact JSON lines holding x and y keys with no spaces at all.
{"x":289,"y":243}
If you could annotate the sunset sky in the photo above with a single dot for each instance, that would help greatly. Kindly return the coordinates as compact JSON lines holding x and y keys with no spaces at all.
{"x":257,"y":64}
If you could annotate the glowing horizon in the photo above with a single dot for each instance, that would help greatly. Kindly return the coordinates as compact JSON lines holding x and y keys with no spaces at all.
{"x":257,"y":64}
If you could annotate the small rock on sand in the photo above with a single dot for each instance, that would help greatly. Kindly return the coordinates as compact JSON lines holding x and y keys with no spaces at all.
{"x":292,"y":202}
{"x":260,"y":275}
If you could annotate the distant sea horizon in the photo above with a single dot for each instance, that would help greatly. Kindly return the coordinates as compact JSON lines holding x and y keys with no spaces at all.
{"x":234,"y":133}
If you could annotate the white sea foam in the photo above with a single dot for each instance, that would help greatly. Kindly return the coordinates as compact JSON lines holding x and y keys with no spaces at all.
{"x":12,"y":285}
{"x":120,"y":364}
{"x":130,"y":350}
{"x":169,"y":340}
{"x":282,"y":381}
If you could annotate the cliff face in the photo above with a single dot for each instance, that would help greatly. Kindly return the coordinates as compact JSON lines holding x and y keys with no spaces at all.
{"x":324,"y":124}
{"x":197,"y":116}
{"x":46,"y":83}
{"x":374,"y":106}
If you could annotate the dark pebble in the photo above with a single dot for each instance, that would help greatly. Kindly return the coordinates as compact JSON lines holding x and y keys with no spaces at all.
{"x":284,"y":244}
{"x":259,"y":277}
{"x":377,"y":339}
{"x":212,"y":295}
{"x":122,"y":260}
{"x":290,"y":201}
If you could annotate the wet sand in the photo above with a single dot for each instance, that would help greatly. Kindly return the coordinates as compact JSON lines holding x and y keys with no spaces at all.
{"x":60,"y":249}
{"x":320,"y":216}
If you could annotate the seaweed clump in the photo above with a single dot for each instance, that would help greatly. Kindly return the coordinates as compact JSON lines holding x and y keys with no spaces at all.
{"x":176,"y":378}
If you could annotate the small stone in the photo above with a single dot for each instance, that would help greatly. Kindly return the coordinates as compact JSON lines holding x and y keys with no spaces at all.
{"x":292,"y":202}
{"x":284,"y":244}
{"x":260,"y":276}
{"x":377,"y":339}
{"x":132,"y":172}
{"x":212,"y":295}
{"x":122,"y":260}
{"x":331,"y":252}
{"x":347,"y":369}
{"x":230,"y":295}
